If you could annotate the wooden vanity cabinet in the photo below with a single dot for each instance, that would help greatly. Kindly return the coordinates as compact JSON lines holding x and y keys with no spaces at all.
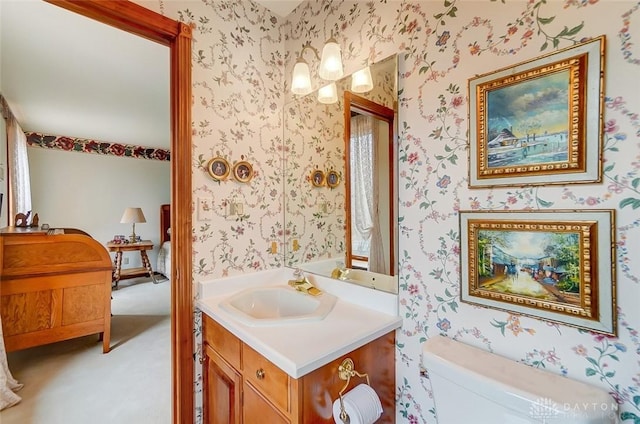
{"x":242,"y":386}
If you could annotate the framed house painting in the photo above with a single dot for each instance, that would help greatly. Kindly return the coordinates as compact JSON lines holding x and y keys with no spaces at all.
{"x":539,"y":122}
{"x":556,"y":265}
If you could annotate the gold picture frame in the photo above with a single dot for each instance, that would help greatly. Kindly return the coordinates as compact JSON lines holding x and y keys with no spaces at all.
{"x":218,"y":168}
{"x":243,"y":171}
{"x":539,"y":122}
{"x":333,"y":179}
{"x":556,"y":265}
{"x":318,"y":178}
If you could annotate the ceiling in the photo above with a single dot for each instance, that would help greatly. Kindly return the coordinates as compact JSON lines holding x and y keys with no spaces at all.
{"x":280,"y":7}
{"x":67,"y":75}
{"x":64,"y":74}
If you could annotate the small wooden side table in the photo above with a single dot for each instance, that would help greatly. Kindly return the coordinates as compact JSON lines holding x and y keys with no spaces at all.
{"x":123,"y":274}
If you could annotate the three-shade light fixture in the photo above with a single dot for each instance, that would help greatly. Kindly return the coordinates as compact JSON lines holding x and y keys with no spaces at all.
{"x":331,"y":70}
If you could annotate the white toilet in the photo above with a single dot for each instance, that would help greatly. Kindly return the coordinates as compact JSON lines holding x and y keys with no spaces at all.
{"x":471,"y":385}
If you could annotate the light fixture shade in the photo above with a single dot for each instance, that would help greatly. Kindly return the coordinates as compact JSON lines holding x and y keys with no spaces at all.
{"x":132,"y":215}
{"x":328,"y":94}
{"x":331,"y":62}
{"x":301,"y":81}
{"x":361,"y":81}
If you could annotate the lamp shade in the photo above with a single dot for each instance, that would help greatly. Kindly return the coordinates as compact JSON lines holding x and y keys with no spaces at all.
{"x":331,"y":62}
{"x":328,"y":94}
{"x":301,"y":81}
{"x":132,"y":215}
{"x":361,"y":81}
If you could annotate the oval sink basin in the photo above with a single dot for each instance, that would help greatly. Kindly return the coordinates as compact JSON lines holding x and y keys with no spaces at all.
{"x":277,"y":305}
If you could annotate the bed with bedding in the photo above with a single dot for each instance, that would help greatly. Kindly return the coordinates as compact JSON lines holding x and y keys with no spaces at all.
{"x":164,"y":255}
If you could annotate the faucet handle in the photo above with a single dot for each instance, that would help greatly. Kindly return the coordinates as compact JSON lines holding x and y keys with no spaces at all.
{"x":298,"y":274}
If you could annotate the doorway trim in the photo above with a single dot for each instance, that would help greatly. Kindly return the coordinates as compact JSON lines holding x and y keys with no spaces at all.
{"x":138,"y":20}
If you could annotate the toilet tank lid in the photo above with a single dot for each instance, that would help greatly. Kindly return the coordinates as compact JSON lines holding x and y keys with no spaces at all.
{"x":462,"y":364}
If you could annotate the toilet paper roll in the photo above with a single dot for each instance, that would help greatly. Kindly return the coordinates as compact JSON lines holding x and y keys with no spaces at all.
{"x":362,"y":404}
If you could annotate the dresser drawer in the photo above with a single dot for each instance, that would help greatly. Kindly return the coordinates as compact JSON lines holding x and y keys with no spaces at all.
{"x":270,"y":380}
{"x":222,"y":341}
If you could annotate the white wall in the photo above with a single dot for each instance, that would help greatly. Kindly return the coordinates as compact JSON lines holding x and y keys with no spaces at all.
{"x":90,"y":192}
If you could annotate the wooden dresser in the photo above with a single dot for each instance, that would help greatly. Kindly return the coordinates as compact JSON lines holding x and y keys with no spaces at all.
{"x":53,"y":287}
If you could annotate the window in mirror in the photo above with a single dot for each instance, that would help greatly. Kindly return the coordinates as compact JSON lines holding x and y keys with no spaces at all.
{"x":370,"y":195}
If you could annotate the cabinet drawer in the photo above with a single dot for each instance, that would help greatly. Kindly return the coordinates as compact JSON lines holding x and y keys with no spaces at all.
{"x":222,"y":341}
{"x":270,"y":380}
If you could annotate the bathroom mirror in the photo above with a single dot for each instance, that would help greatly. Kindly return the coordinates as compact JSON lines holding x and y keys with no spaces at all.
{"x":318,"y":187}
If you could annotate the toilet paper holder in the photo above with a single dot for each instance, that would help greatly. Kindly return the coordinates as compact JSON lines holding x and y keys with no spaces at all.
{"x":345,"y":372}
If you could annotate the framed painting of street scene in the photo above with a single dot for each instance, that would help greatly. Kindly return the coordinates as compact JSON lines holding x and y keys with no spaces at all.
{"x":556,"y":265}
{"x":539,"y":122}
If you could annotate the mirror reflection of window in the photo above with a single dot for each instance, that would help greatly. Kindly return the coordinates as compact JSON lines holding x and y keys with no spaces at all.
{"x":366,"y":202}
{"x":362,"y":186}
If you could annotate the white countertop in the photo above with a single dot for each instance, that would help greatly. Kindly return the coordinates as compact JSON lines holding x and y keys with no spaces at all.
{"x":299,"y":348}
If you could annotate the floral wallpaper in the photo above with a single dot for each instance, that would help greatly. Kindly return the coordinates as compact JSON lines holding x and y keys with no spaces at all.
{"x":314,"y":216}
{"x":242,"y":57}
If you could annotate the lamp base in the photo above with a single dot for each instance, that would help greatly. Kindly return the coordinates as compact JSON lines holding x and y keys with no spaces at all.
{"x":133,"y":238}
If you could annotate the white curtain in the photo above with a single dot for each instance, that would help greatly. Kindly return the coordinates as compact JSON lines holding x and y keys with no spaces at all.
{"x":365,"y":228}
{"x":7,"y":383}
{"x":20,"y":191}
{"x":19,"y":181}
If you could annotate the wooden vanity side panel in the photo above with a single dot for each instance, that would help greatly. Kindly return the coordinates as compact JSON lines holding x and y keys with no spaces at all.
{"x":321,"y":387}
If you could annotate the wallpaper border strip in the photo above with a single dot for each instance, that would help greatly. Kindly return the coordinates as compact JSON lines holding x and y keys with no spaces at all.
{"x":84,"y":145}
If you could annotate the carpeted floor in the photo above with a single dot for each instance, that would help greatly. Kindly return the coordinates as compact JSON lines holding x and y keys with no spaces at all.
{"x":73,"y":382}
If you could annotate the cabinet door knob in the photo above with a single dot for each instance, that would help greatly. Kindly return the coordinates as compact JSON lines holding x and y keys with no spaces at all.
{"x":260,"y":374}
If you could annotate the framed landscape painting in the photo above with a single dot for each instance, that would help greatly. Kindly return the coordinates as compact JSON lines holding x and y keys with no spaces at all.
{"x":539,"y":122}
{"x":556,"y":265}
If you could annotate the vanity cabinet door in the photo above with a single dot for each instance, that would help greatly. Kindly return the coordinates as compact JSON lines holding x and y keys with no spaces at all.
{"x":221,"y":390}
{"x":257,"y":409}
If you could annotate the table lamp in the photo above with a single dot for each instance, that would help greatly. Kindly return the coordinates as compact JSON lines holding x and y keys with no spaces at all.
{"x":131,"y":216}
